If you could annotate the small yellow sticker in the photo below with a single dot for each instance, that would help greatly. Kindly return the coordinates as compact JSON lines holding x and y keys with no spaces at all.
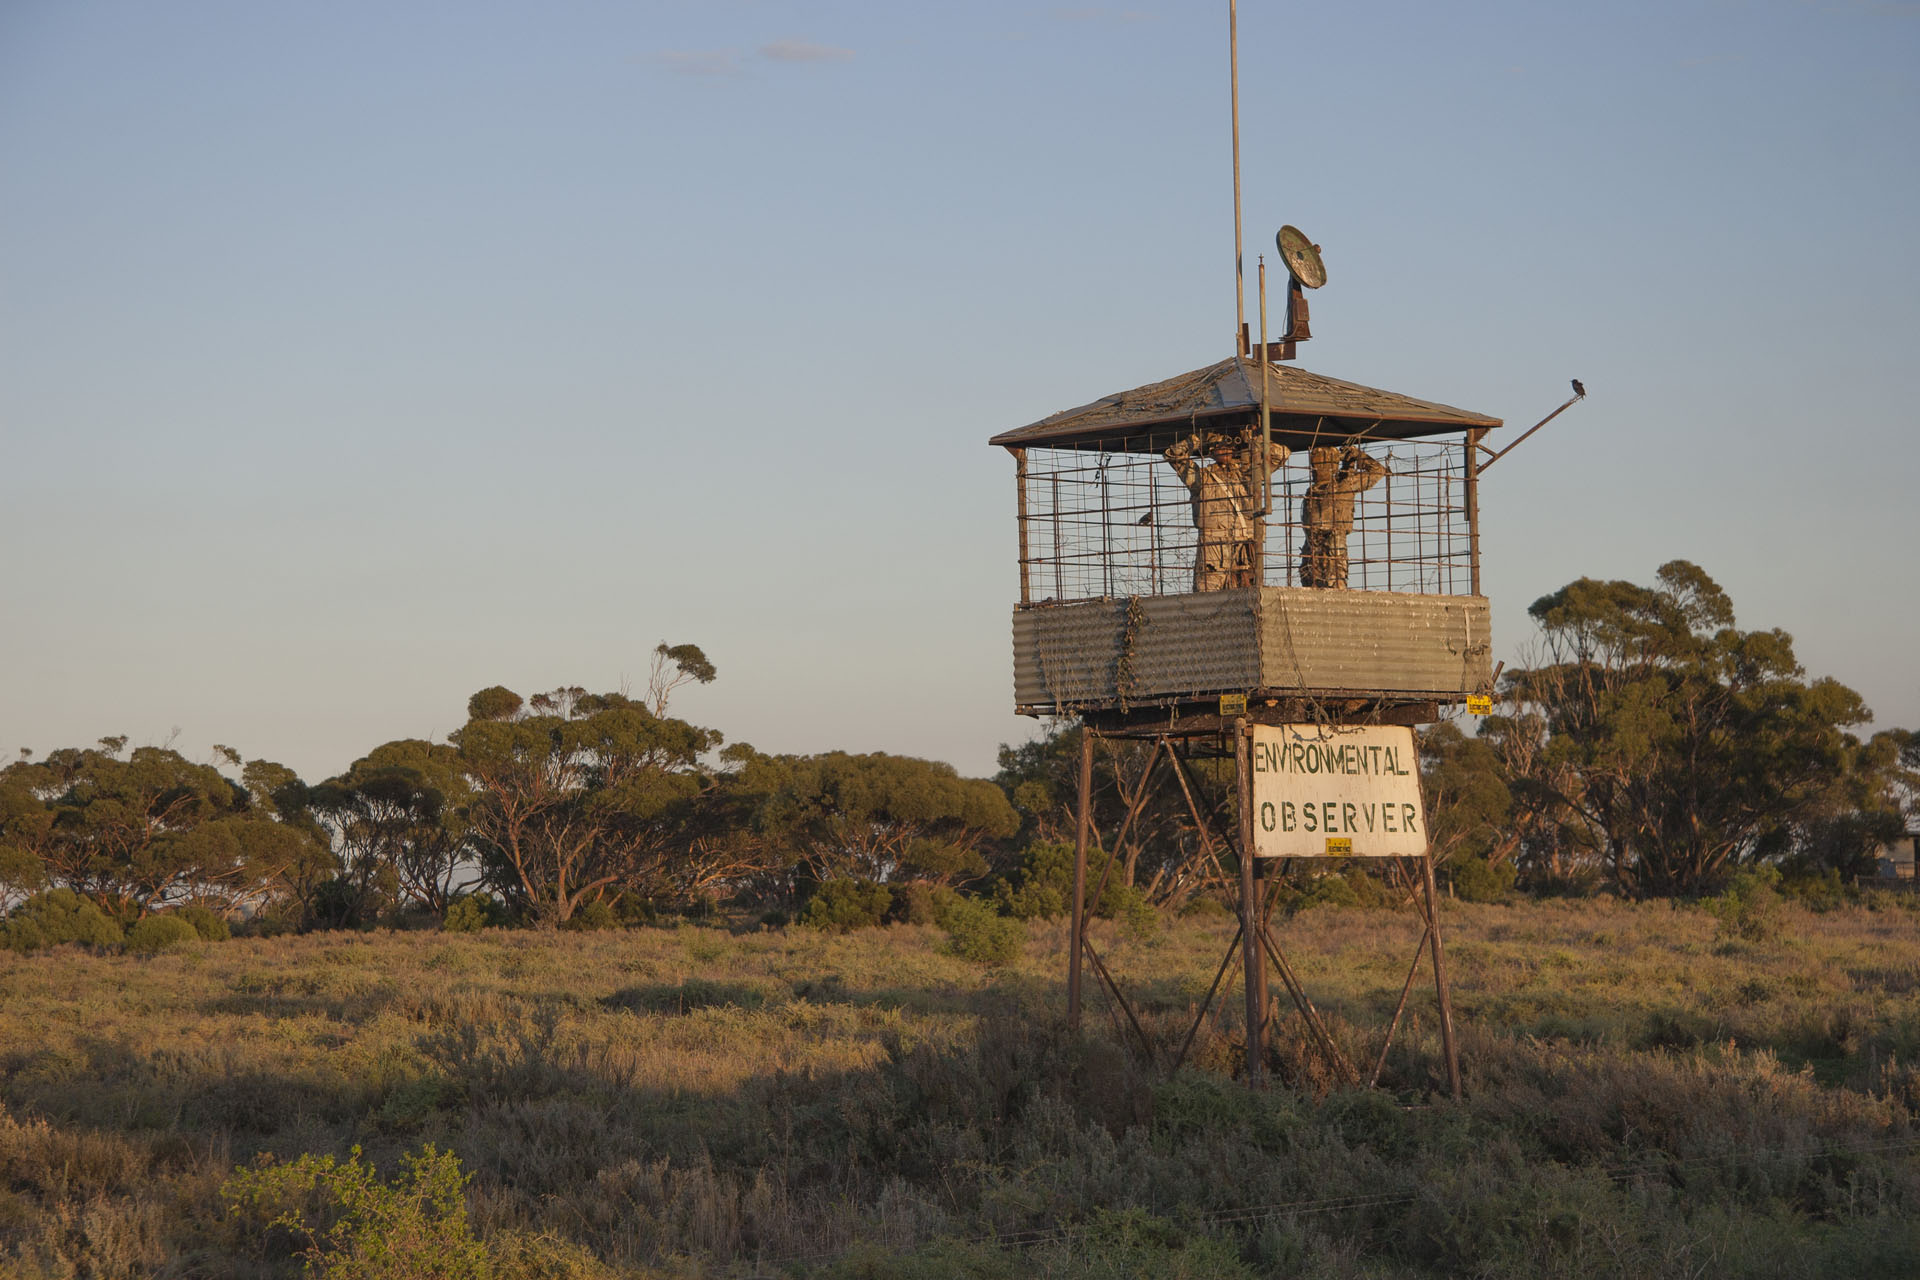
{"x":1339,"y":844}
{"x":1479,"y":704}
{"x":1233,"y":704}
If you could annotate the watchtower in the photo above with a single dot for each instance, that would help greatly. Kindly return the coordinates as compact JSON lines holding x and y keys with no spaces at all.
{"x":1121,"y":623}
{"x":1256,"y":560}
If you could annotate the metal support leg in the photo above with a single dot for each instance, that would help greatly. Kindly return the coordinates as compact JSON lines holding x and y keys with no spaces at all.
{"x":1254,"y":963}
{"x":1440,"y":978}
{"x":1083,"y":820}
{"x":1261,"y":996}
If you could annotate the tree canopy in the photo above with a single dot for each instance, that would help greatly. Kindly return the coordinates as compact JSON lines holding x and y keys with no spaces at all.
{"x":570,"y":790}
{"x":1648,"y":745}
{"x":1658,"y":738}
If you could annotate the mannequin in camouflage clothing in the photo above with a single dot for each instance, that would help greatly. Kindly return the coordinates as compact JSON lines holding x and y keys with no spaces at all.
{"x":1339,"y":476}
{"x":1226,"y":502}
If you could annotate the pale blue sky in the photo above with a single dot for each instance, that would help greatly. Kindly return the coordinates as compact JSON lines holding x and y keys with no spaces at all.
{"x":354,"y":356}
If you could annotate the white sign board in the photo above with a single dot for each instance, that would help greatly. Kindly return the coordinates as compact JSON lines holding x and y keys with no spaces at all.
{"x":1322,"y":791}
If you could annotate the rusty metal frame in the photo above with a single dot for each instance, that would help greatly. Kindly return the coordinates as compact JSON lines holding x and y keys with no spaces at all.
{"x":1253,"y":936}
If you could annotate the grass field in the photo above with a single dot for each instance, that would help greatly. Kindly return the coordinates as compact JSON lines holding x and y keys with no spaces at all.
{"x":1647,"y":1095}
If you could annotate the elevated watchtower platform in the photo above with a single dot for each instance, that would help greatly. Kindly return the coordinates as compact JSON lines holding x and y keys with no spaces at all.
{"x":1161,"y":567}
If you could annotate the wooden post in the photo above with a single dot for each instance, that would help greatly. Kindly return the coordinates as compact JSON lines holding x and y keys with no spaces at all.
{"x":1082,"y":822}
{"x":1251,"y":958}
{"x":1440,"y":978}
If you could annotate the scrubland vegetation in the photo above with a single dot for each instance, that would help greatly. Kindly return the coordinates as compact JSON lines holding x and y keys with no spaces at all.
{"x":586,"y":991}
{"x":1649,"y":1092}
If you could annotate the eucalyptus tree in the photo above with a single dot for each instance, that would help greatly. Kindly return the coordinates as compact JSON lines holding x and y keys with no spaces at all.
{"x":26,"y":831}
{"x":397,"y":820}
{"x":1672,"y":746}
{"x":573,"y":792}
{"x":1470,"y":806}
{"x":1160,"y":851}
{"x":137,"y":831}
{"x":879,"y":817}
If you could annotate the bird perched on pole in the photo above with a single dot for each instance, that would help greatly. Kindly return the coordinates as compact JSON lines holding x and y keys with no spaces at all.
{"x":1579,"y":390}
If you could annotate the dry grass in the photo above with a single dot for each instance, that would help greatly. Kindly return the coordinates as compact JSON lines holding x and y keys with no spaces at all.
{"x":1644,"y":1099}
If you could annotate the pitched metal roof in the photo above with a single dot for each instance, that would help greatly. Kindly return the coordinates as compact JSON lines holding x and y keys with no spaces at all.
{"x":1305,"y":407}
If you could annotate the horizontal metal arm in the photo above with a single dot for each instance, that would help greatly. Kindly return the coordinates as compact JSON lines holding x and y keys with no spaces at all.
{"x":1529,"y":431}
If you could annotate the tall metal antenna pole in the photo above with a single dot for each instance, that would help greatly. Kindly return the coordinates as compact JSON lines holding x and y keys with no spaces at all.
{"x":1239,"y":271}
{"x":1258,"y":457}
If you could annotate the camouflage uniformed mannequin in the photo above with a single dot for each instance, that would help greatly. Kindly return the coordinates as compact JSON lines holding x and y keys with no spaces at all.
{"x":1226,"y":501}
{"x":1339,"y":476}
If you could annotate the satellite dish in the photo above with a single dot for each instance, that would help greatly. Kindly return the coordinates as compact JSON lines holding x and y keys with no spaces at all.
{"x":1302,"y":257}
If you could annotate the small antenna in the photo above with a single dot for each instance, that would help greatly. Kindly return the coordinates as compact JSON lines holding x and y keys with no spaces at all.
{"x":1266,"y":418}
{"x":1239,"y":270}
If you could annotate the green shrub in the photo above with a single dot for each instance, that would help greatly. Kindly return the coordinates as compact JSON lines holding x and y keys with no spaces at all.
{"x":592,"y":917}
{"x":978,"y":933}
{"x":1478,"y":880}
{"x":341,"y":903}
{"x":472,"y":912}
{"x":160,"y":933}
{"x":1750,"y":908}
{"x":840,"y":906}
{"x":349,"y":1225}
{"x":923,"y":903}
{"x":1349,"y":884}
{"x":57,"y":916}
{"x":1044,"y":886}
{"x":1043,"y":889}
{"x":1125,"y":903}
{"x":633,"y":908}
{"x":208,"y":923}
{"x":1328,"y":889}
{"x":276,"y":920}
{"x":1821,"y":890}
{"x":520,"y":1255}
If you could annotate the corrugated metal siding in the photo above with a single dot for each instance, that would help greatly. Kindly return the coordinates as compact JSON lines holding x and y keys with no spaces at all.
{"x":1287,"y":638}
{"x":1180,"y":644}
{"x":1397,"y":643}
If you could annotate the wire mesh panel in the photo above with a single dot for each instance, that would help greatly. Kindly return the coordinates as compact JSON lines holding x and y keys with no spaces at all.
{"x":1175,"y":512}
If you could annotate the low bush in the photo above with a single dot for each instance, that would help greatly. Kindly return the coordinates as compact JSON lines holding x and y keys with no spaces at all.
{"x":157,"y":933}
{"x":1478,"y":880}
{"x":923,"y":903}
{"x":349,"y":1225}
{"x":1128,"y":905}
{"x":1205,"y":907}
{"x":57,"y":916}
{"x":592,"y":917}
{"x":634,"y":908}
{"x":1349,"y":883}
{"x":1044,"y":885}
{"x":208,"y":923}
{"x":840,"y":906}
{"x":978,"y":933}
{"x":1820,"y":890}
{"x":1750,"y":908}
{"x":472,"y":912}
{"x":1043,"y":889}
